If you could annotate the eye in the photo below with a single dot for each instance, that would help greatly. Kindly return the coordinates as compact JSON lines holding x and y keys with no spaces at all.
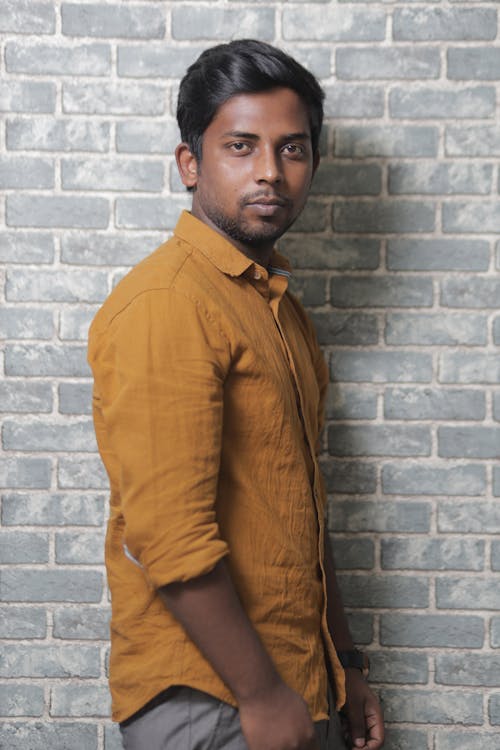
{"x":239,"y":147}
{"x":295,"y":150}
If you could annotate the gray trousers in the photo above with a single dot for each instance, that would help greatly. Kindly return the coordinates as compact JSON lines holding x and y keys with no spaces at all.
{"x":189,"y":719}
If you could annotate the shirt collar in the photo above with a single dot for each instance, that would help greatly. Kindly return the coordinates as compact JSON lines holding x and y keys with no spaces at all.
{"x":219,"y":251}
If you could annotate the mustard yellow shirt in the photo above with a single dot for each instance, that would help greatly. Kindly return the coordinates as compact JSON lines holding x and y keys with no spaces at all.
{"x":208,"y":400}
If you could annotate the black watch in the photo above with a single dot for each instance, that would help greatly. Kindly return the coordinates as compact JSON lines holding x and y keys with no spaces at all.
{"x":355,"y":659}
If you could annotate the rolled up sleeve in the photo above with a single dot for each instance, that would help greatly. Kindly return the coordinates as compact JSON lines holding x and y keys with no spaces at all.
{"x":162,"y":365}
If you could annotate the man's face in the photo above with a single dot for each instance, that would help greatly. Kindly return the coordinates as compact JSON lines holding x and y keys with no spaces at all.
{"x":256,"y":168}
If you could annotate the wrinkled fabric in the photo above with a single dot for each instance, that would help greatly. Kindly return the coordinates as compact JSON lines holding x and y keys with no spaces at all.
{"x":209,"y":388}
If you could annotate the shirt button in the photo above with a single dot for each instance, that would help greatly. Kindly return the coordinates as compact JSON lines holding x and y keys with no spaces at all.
{"x":257,"y":275}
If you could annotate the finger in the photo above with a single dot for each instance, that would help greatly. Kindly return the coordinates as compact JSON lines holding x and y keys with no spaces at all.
{"x":357,"y":725}
{"x":374,"y":725}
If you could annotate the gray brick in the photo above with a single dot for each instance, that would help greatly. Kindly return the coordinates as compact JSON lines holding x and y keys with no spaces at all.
{"x":467,"y":593}
{"x":75,"y":398}
{"x":436,"y":329}
{"x":27,"y":17}
{"x":352,"y":554}
{"x":316,"y":59}
{"x":46,"y":359}
{"x":24,"y":585}
{"x":474,"y":63}
{"x":49,"y":59}
{"x":22,"y":622}
{"x":56,"y":211}
{"x":431,"y":631}
{"x":23,"y":547}
{"x":58,"y":509}
{"x":19,"y":172}
{"x":469,"y":516}
{"x":57,"y":135}
{"x":404,"y":739}
{"x":85,"y":472}
{"x":433,"y":479}
{"x":75,"y":322}
{"x":149,"y":213}
{"x":377,"y":63}
{"x":468,"y":669}
{"x":147,"y":137}
{"x":463,"y":740}
{"x":473,"y":140}
{"x":350,"y":402}
{"x":495,"y":556}
{"x":432,"y":706}
{"x":430,"y":178}
{"x":382,"y":291}
{"x":379,"y":440}
{"x":107,"y":250}
{"x":384,"y":216}
{"x":404,"y":668}
{"x":57,"y":736}
{"x":387,"y":591}
{"x":402,"y":553}
{"x":437,"y":255}
{"x":35,"y":660}
{"x":80,"y":700}
{"x":27,"y":96}
{"x":334,"y":23}
{"x":138,"y":21}
{"x":380,"y":516}
{"x":381,"y":367}
{"x":434,"y":403}
{"x":471,"y":217}
{"x":351,"y":100}
{"x":113,"y":98}
{"x":495,"y":632}
{"x":223,"y":23}
{"x":496,"y":481}
{"x":496,"y":340}
{"x":390,"y":140}
{"x":26,"y":323}
{"x":113,"y":740}
{"x":426,"y":24}
{"x":25,"y":472}
{"x":477,"y":292}
{"x":21,"y":700}
{"x":347,"y":179}
{"x":80,"y":547}
{"x":155,"y":60}
{"x":469,"y":367}
{"x":494,"y":710}
{"x":26,"y":247}
{"x":348,"y":253}
{"x":469,"y":442}
{"x":18,"y":396}
{"x":56,"y":286}
{"x":81,"y":623}
{"x":346,"y":328}
{"x":112,"y":174}
{"x":49,"y":436}
{"x":348,"y":477}
{"x":361,"y":627}
{"x":312,"y":218}
{"x":310,"y":290}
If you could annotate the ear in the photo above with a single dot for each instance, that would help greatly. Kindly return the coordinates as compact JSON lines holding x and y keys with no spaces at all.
{"x":187,"y":165}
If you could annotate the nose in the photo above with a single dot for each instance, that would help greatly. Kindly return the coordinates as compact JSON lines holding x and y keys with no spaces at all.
{"x":268,"y":166}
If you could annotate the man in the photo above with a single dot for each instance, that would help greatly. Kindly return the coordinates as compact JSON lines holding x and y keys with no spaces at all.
{"x":227,"y":622}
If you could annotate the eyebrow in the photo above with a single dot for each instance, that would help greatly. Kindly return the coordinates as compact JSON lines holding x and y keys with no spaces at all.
{"x":254,"y":137}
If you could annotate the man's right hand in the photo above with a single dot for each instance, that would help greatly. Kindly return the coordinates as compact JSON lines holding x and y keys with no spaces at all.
{"x":277,"y":720}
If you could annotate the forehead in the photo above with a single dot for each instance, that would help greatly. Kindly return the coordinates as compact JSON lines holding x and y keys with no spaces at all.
{"x":275,"y":112}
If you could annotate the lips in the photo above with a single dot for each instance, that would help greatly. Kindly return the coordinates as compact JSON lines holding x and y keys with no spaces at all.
{"x":267,"y":201}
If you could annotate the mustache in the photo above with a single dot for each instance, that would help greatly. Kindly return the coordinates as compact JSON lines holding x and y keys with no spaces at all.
{"x":265,"y":197}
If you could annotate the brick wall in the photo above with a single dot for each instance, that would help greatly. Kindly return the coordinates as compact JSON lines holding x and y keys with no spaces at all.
{"x":397,"y":258}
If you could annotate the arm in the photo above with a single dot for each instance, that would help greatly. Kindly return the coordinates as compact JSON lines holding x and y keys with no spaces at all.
{"x":272,"y":715}
{"x":364,"y":714}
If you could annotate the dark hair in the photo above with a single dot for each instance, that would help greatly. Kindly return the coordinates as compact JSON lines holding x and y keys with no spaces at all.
{"x":244,"y":66}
